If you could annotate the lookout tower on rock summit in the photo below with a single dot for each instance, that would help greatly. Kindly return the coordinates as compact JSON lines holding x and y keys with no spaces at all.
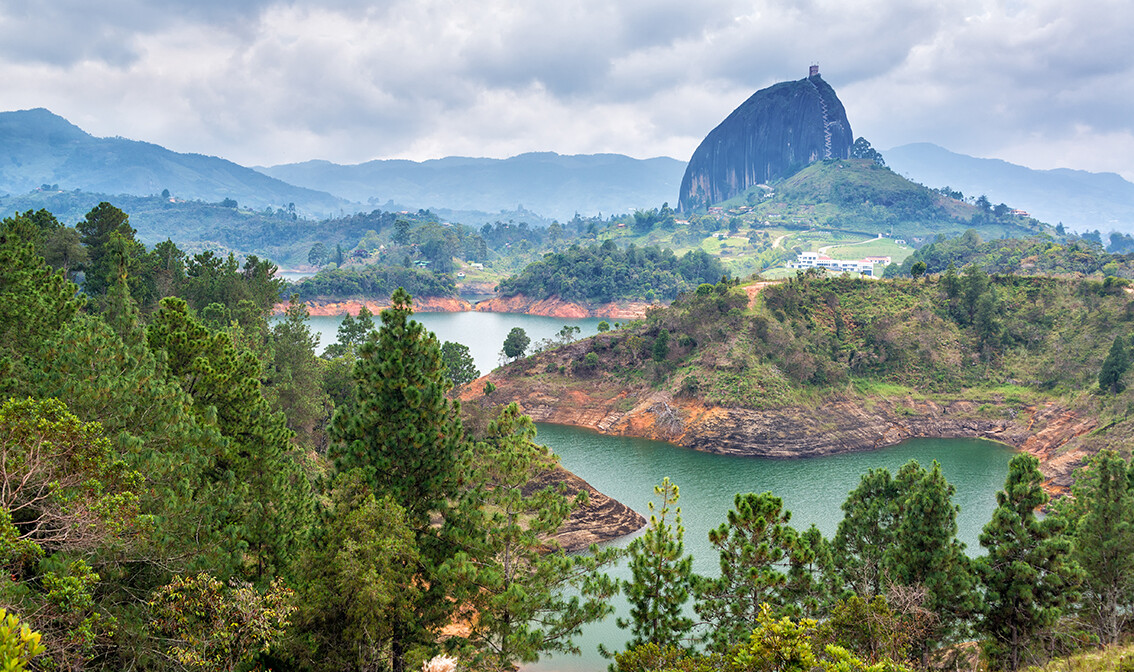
{"x":813,"y":71}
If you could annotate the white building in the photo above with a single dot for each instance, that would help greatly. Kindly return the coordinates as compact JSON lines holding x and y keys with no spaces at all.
{"x":816,"y":260}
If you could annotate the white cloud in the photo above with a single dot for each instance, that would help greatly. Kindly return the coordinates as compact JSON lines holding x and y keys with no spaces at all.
{"x":1041,"y":81}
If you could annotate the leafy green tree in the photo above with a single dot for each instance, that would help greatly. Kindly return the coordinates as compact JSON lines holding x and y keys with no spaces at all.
{"x":530,"y":597}
{"x":1101,"y":521}
{"x":459,"y":363}
{"x":1114,"y":366}
{"x":516,"y":343}
{"x":359,"y":580}
{"x":603,"y":326}
{"x":918,"y":269}
{"x":755,"y":549}
{"x":787,"y":646}
{"x":1027,"y":576}
{"x":861,"y":149}
{"x":318,"y":255}
{"x":64,"y":496}
{"x":661,"y":576}
{"x":219,"y":627}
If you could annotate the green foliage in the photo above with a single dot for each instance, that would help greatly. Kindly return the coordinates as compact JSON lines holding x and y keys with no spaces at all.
{"x":867,"y":529}
{"x":253,"y":460}
{"x":358,"y":580}
{"x":97,"y":229}
{"x":530,"y":598}
{"x":459,"y":363}
{"x":293,"y":374}
{"x":1027,"y":576}
{"x":925,"y":553}
{"x":755,"y":547}
{"x":62,"y":487}
{"x":35,"y":301}
{"x":405,"y":434}
{"x":1114,"y":366}
{"x":1100,"y":518}
{"x":18,"y":644}
{"x":217,"y":627}
{"x":373,"y":282}
{"x":516,"y":343}
{"x":661,"y":576}
{"x":603,"y":273}
{"x":786,"y":646}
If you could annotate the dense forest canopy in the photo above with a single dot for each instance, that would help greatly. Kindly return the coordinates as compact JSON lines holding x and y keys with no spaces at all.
{"x":603,"y":273}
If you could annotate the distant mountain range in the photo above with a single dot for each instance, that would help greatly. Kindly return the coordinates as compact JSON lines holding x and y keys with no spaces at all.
{"x":547,"y":183}
{"x":38,"y":148}
{"x":1080,"y":200}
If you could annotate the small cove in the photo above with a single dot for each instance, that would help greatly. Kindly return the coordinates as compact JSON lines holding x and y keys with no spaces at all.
{"x":627,"y":468}
{"x":813,"y":490}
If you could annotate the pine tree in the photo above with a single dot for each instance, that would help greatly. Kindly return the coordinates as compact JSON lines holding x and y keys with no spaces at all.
{"x":530,"y":597}
{"x":755,"y":547}
{"x":925,"y":553}
{"x":97,"y":228}
{"x":866,"y":531}
{"x":1026,"y":575}
{"x":405,"y":434}
{"x":404,"y":439}
{"x":1114,"y":367}
{"x":661,"y":576}
{"x":1102,"y":519}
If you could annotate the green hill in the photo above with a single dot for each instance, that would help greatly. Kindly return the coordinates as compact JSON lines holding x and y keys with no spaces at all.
{"x":861,"y":196}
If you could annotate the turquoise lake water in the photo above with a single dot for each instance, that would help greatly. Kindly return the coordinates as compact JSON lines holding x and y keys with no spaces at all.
{"x":627,"y":469}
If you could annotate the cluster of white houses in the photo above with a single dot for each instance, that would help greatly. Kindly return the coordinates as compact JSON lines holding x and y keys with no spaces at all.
{"x":815,"y":260}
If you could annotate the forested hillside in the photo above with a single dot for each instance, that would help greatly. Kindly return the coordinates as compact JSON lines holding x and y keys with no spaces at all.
{"x":188,"y":486}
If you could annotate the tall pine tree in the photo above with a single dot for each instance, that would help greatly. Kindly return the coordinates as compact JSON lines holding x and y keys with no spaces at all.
{"x":661,"y":576}
{"x":1026,"y":575}
{"x":404,"y":439}
{"x":1101,"y":517}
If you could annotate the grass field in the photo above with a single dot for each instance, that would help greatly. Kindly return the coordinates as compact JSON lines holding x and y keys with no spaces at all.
{"x":879,"y":247}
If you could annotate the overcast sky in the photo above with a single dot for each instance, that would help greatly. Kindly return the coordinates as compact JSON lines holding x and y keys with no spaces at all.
{"x":1044,"y":83}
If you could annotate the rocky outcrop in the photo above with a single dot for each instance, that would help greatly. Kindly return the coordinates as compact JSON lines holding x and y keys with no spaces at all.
{"x":771,"y":135}
{"x":601,"y":519}
{"x":1045,"y":430}
{"x":420,"y":305}
{"x":626,"y":310}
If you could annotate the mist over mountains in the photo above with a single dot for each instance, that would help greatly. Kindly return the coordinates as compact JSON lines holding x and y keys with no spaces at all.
{"x":553,"y":185}
{"x":1079,"y":199}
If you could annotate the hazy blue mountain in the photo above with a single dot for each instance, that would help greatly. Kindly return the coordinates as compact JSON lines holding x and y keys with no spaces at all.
{"x":38,"y":147}
{"x":1080,"y":199}
{"x":547,"y":183}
